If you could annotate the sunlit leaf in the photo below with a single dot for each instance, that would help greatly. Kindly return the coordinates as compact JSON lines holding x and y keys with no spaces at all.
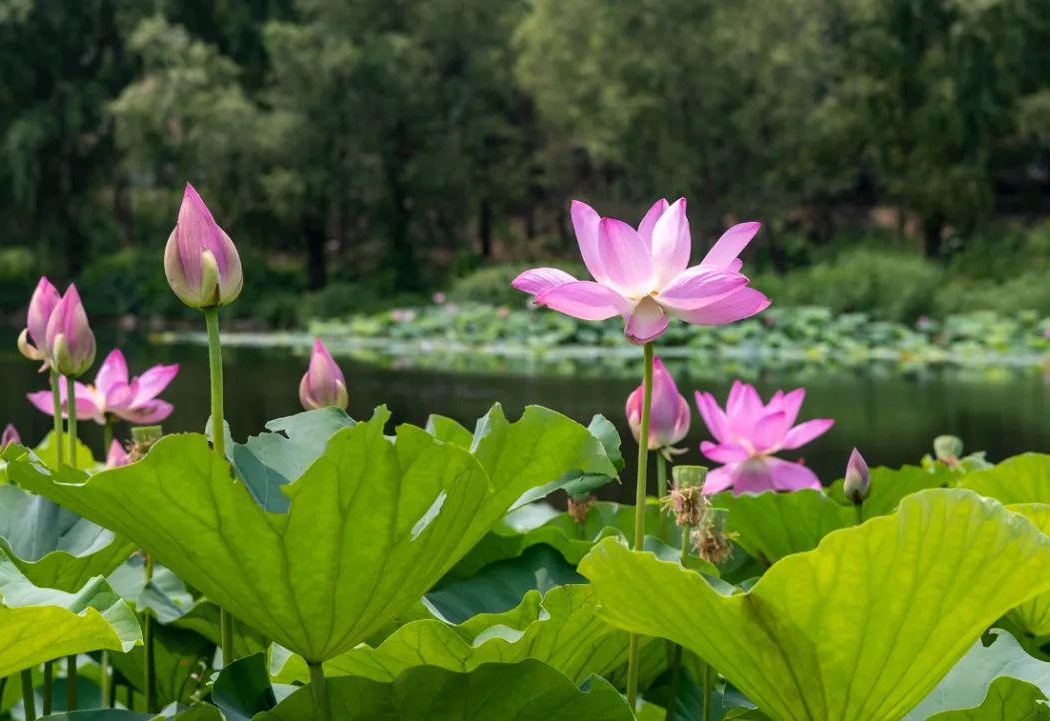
{"x":371,"y":525}
{"x":891,"y":485}
{"x":1008,"y":699}
{"x":863,"y":627}
{"x":527,"y":691}
{"x":1020,"y":479}
{"x":1033,"y":616}
{"x":47,"y":452}
{"x":40,"y":624}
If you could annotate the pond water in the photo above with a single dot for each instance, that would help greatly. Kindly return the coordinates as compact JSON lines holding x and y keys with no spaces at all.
{"x":891,"y":415}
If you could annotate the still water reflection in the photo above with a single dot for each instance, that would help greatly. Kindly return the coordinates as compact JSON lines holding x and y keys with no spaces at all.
{"x":891,"y":416}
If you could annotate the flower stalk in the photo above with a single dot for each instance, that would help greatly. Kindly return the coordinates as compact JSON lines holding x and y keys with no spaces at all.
{"x":320,"y":691}
{"x":56,"y":399}
{"x":149,"y":666}
{"x":661,"y":491}
{"x":634,"y":645}
{"x":28,"y":694}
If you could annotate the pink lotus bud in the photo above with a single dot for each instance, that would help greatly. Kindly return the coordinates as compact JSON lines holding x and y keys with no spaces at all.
{"x":10,"y":436}
{"x":200,"y":260}
{"x":323,"y":384}
{"x":41,"y":305}
{"x":69,"y":341}
{"x":117,"y":456}
{"x":669,"y":415}
{"x":857,"y":484}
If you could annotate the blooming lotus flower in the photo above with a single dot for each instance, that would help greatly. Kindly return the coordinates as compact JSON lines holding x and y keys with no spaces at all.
{"x":69,"y":342}
{"x":323,"y":384}
{"x":117,"y":456}
{"x":10,"y":436}
{"x":749,"y":433}
{"x":644,"y":276}
{"x":41,"y":305}
{"x":200,"y":261}
{"x":669,"y":416}
{"x":857,"y":483}
{"x":134,"y":400}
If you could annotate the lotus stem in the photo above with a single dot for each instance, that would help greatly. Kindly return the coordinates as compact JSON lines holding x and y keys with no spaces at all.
{"x":56,"y":400}
{"x":707,"y":691}
{"x":104,"y":680}
{"x":676,"y":675}
{"x":321,"y":701}
{"x":28,"y":694}
{"x":49,"y":683}
{"x":661,"y":491}
{"x":71,"y":682}
{"x":107,"y":435}
{"x":218,"y":442}
{"x":858,"y":508}
{"x":148,"y":666}
{"x":635,"y":644}
{"x":71,"y":409}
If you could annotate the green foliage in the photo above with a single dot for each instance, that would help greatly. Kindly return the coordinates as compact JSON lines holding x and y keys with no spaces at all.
{"x":853,"y":629}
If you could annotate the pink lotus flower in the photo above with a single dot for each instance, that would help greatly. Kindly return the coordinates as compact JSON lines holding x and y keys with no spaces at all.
{"x":10,"y":436}
{"x":323,"y":384}
{"x":749,"y":433}
{"x":644,"y":276}
{"x":69,"y":342}
{"x":200,"y":261}
{"x":113,"y":394}
{"x":43,"y":302}
{"x":117,"y":456}
{"x":857,"y":483}
{"x":669,"y":416}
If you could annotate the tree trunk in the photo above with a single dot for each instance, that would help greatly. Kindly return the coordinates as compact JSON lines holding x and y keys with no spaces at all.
{"x":932,"y":234}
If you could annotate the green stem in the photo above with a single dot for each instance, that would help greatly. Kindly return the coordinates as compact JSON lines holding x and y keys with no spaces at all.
{"x":317,"y":683}
{"x":661,"y":491}
{"x":859,"y":510}
{"x":149,"y":667}
{"x":634,"y":645}
{"x":129,"y":697}
{"x":56,"y":400}
{"x":218,"y":442}
{"x":104,"y":678}
{"x":28,"y":694}
{"x":71,"y":409}
{"x":676,"y":674}
{"x":49,"y":684}
{"x":71,"y":682}
{"x":107,"y":435}
{"x":708,"y":681}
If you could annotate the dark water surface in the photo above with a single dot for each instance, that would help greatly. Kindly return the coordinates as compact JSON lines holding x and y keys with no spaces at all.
{"x":891,"y":416}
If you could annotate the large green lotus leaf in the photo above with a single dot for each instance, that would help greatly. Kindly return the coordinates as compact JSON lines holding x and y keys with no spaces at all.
{"x":891,"y":485}
{"x":41,"y":624}
{"x":47,"y":452}
{"x":53,"y":546}
{"x":1020,"y":479}
{"x":1033,"y":616}
{"x":562,"y":630}
{"x":180,"y":659}
{"x":527,"y":691}
{"x":969,"y":682}
{"x":372,"y":524}
{"x":774,"y":525}
{"x":1008,"y":699}
{"x":863,"y":627}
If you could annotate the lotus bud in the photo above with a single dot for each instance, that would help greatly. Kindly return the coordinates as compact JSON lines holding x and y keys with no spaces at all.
{"x":686,"y":498}
{"x":32,"y":341}
{"x":10,"y":436}
{"x":948,"y":449}
{"x":857,"y":484}
{"x":117,"y":456}
{"x":200,"y":261}
{"x":323,"y":384}
{"x":69,"y":342}
{"x":669,"y":413}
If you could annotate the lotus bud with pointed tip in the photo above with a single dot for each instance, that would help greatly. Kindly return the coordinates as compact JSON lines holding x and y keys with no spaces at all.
{"x":857,"y":484}
{"x":323,"y":384}
{"x":10,"y":436}
{"x":32,"y":340}
{"x":200,"y":261}
{"x":669,"y":416}
{"x":69,"y":342}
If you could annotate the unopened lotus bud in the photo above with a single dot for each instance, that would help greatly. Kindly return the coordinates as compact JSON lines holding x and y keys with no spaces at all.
{"x":323,"y":384}
{"x":32,"y":341}
{"x":200,"y":261}
{"x":948,"y":449}
{"x":686,"y":498}
{"x":669,"y":411}
{"x":10,"y":436}
{"x":857,"y":483}
{"x":69,"y":341}
{"x":579,"y":506}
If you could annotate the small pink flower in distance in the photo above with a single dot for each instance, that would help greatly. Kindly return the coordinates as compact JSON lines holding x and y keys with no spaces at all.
{"x":133,"y":400}
{"x":669,"y":416}
{"x":440,"y":298}
{"x":117,"y":456}
{"x":644,"y":276}
{"x":68,"y":341}
{"x":749,"y":433}
{"x":32,"y":341}
{"x":10,"y":436}
{"x":323,"y":385}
